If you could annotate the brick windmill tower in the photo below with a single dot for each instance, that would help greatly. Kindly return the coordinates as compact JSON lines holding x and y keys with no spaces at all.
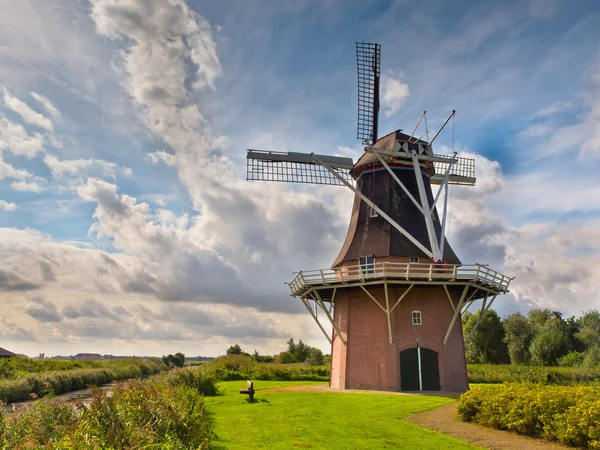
{"x":391,"y":303}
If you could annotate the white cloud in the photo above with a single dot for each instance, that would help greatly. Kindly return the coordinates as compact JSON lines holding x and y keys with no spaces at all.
{"x":25,"y":186}
{"x":7,"y":206}
{"x":556,"y":107}
{"x":48,"y":106}
{"x":24,"y":110}
{"x":9,"y":171}
{"x":394,"y":91}
{"x":550,"y":259}
{"x":73,"y":167}
{"x":583,"y":137}
{"x":15,"y":139}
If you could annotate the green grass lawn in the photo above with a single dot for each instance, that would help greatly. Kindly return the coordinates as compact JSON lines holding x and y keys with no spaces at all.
{"x":283,"y":420}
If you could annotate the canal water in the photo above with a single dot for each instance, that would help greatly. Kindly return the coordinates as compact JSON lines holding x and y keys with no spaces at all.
{"x":73,"y":396}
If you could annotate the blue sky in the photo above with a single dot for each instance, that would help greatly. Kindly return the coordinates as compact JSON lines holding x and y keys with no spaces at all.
{"x":123,"y":130}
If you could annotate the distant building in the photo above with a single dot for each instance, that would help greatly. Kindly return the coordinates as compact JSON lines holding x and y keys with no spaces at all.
{"x":88,"y":356}
{"x":5,"y":353}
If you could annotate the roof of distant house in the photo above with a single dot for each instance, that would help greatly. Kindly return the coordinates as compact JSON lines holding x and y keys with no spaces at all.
{"x":4,"y":352}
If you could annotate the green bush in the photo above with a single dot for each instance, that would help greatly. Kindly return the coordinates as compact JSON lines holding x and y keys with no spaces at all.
{"x":491,"y":373}
{"x":240,"y":367}
{"x":154,"y":413}
{"x":572,"y":359}
{"x":198,"y":379}
{"x":568,"y":414}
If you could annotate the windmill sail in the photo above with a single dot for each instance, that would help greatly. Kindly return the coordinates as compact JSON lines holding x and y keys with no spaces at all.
{"x":368,"y":64}
{"x":294,"y":167}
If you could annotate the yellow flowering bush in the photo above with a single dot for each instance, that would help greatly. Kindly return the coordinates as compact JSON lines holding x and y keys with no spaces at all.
{"x":568,"y":414}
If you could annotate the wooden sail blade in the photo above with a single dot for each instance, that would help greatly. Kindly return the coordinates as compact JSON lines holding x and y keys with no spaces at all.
{"x":294,"y":167}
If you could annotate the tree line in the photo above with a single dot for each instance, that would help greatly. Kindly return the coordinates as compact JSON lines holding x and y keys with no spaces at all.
{"x":296,"y":352}
{"x":541,"y":337}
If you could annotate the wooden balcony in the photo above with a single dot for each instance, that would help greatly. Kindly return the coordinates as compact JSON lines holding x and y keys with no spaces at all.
{"x":411,"y":273}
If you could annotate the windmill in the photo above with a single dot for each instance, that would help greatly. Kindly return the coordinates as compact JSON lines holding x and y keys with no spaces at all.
{"x":394,"y":296}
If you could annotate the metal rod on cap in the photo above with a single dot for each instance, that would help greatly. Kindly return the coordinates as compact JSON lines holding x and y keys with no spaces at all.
{"x":440,"y":130}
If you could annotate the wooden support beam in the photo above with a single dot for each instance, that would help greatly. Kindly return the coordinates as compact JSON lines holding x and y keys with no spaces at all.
{"x":401,"y":297}
{"x":387,"y":312}
{"x":373,"y":298}
{"x":313,"y":315}
{"x":484,"y":311}
{"x":450,"y":298}
{"x":456,"y":313}
{"x":335,"y":327}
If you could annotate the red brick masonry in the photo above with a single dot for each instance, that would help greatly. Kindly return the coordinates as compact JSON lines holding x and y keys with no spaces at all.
{"x":369,"y":361}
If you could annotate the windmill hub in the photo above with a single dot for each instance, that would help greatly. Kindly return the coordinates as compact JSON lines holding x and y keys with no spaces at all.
{"x":390,"y":305}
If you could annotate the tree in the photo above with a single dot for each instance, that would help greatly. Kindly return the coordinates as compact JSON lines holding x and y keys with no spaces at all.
{"x":291,"y":346}
{"x":234,"y":350}
{"x":301,"y":351}
{"x":518,"y":334}
{"x":538,"y":317}
{"x":177,"y":360}
{"x":592,"y":357}
{"x":181,"y":358}
{"x":315,"y":357}
{"x":549,"y":344}
{"x":487,"y":343}
{"x":284,"y":358}
{"x":573,"y":329}
{"x":589,"y":328}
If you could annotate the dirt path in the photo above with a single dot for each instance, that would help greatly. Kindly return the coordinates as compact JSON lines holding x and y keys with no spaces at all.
{"x":445,"y":420}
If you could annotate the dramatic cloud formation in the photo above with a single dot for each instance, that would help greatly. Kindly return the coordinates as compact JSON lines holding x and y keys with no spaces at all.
{"x":181,"y":253}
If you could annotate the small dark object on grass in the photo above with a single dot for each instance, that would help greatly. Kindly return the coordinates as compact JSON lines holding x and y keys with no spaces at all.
{"x":249,"y":390}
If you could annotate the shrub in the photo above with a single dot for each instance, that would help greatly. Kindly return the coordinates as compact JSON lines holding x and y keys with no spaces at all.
{"x":284,"y":358}
{"x":572,"y":359}
{"x":197,"y":379}
{"x":568,"y":414}
{"x":315,"y":357}
{"x":592,"y":357}
{"x":490,"y":373}
{"x":138,"y":414}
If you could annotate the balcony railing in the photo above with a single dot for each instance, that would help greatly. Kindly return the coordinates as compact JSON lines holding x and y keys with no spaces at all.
{"x":477,"y":273}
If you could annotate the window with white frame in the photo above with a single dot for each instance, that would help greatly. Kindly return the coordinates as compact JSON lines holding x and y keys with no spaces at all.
{"x":417,"y":319}
{"x":373,"y":212}
{"x":367,"y":265}
{"x":413,"y":259}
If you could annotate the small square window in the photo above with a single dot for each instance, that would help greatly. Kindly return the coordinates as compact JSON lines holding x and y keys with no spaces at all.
{"x":367,"y":265}
{"x":416,"y":318}
{"x":373,"y":212}
{"x":413,"y":259}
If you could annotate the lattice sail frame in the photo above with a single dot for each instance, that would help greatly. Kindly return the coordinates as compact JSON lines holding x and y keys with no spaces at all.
{"x":368,"y":67}
{"x":290,"y":167}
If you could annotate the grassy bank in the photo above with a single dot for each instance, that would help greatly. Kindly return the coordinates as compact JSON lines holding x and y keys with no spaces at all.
{"x":501,"y":373}
{"x":290,"y":419}
{"x":567,"y":414}
{"x":23,"y":378}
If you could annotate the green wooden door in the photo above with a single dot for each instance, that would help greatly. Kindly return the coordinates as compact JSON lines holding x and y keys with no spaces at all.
{"x":430,"y":370}
{"x":409,"y":370}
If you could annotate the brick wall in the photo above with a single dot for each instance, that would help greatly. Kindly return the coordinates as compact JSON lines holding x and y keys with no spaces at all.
{"x":370,"y":361}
